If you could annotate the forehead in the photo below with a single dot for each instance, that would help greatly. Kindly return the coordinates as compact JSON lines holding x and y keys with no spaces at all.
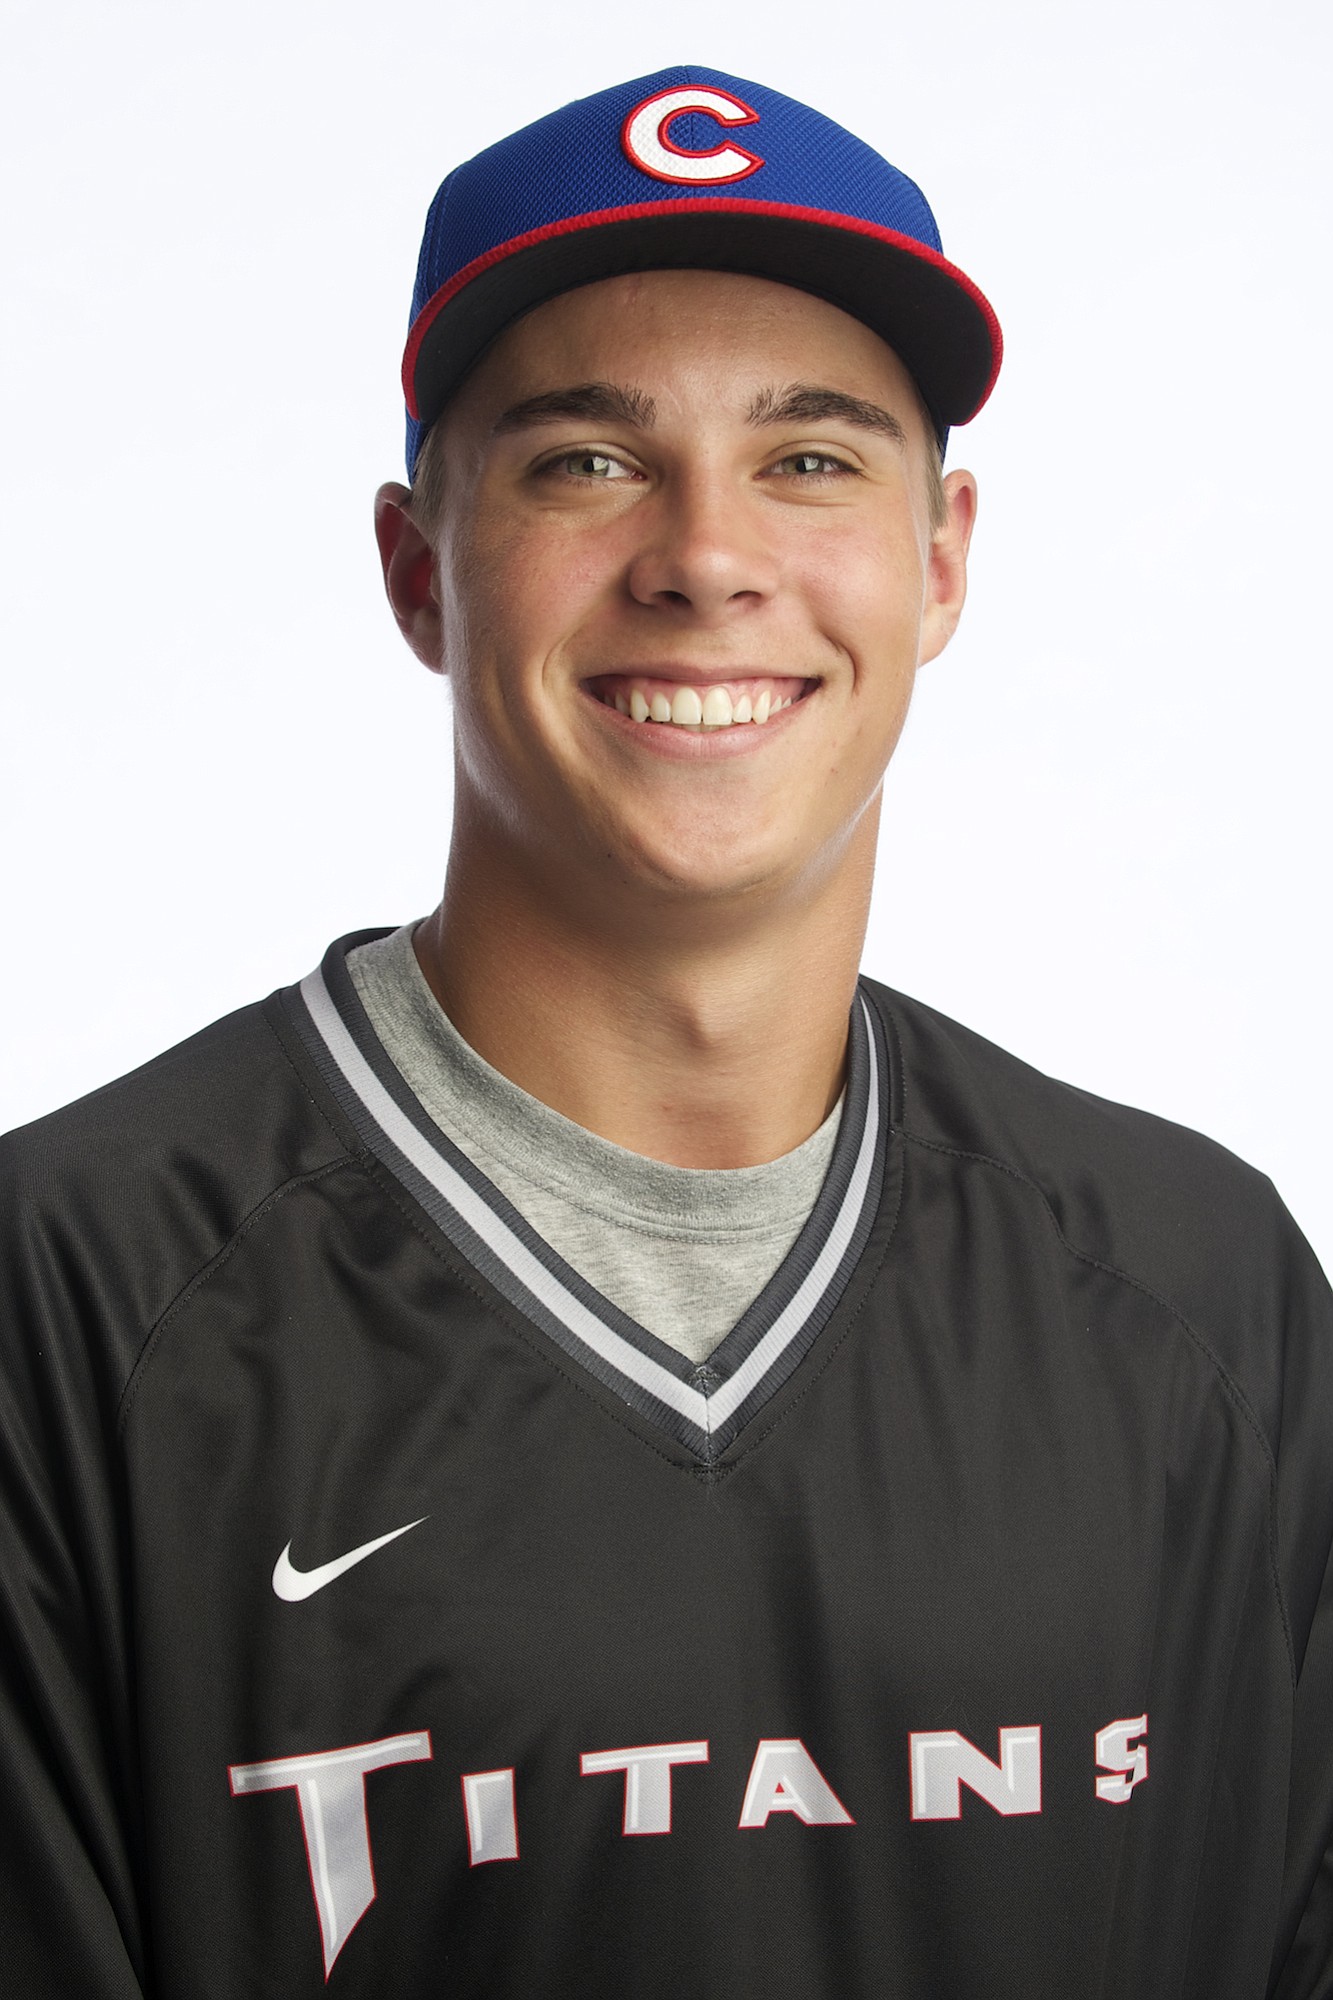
{"x":710,"y":334}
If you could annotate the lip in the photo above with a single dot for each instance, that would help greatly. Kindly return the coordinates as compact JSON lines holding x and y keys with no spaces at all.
{"x":693,"y":676}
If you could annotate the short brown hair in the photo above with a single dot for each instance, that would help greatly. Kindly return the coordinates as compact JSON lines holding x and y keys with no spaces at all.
{"x":425,"y":502}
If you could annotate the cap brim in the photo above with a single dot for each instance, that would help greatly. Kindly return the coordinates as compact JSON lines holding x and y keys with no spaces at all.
{"x":932,"y":315}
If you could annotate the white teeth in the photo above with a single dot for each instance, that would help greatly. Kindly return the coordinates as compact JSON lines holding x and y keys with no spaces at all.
{"x":692,"y":707}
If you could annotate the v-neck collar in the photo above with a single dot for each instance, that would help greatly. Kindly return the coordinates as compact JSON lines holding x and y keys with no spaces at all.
{"x":703,"y":1406}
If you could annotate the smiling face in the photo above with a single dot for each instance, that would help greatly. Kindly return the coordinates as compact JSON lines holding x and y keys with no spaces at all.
{"x":683,"y":573}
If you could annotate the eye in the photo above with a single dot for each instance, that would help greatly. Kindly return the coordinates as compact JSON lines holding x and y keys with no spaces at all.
{"x":597,"y":467}
{"x":812,"y":465}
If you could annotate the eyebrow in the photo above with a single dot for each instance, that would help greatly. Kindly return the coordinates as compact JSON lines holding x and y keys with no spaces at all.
{"x":809,"y":403}
{"x":610,"y":402}
{"x":589,"y":402}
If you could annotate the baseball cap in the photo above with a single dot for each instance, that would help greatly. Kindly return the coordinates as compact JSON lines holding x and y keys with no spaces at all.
{"x":691,"y":169}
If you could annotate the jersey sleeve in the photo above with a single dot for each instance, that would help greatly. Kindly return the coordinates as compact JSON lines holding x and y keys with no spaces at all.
{"x":1303,"y":1958}
{"x":69,"y":1911}
{"x":1305,"y":1970}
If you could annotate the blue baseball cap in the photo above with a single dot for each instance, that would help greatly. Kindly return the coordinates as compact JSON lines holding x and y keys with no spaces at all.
{"x":691,"y":170}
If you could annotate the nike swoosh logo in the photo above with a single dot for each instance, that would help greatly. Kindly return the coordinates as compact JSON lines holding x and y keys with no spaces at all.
{"x":292,"y":1584}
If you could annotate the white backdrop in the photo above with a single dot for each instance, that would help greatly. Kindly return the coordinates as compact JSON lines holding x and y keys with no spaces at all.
{"x":1106,"y":843}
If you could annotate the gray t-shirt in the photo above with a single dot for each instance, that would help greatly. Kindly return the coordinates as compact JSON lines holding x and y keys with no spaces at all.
{"x":682,"y":1250}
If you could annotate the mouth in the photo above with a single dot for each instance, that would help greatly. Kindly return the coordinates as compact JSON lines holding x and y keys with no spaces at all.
{"x":699,"y":706}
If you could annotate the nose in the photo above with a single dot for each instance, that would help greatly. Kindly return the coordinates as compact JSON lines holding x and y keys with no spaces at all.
{"x":703,"y":550}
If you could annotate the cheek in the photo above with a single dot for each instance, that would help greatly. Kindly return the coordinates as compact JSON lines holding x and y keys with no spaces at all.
{"x":522,"y":593}
{"x":514,"y":599}
{"x":867,"y":593}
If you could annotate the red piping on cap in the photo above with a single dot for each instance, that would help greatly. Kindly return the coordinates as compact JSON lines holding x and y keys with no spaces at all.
{"x":709,"y":205}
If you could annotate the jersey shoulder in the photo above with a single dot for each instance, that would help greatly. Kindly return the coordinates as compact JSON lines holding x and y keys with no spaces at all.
{"x":1170,"y":1210}
{"x":111,"y":1204}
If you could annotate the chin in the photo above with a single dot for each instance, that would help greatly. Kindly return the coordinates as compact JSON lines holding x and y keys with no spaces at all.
{"x":703,"y":868}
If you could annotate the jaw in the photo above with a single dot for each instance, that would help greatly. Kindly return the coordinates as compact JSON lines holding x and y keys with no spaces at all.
{"x":636,"y":822}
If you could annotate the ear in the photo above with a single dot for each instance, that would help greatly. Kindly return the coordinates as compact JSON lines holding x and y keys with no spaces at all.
{"x":408,"y":561}
{"x":946,"y":575}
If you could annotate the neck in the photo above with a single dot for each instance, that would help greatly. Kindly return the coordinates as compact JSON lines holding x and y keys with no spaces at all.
{"x":703,"y":1040}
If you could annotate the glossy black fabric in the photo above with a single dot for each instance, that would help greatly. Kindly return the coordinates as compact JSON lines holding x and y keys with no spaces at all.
{"x":1063,"y":1455}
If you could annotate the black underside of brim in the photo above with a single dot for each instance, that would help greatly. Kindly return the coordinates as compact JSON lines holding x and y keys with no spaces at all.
{"x":933,"y":323}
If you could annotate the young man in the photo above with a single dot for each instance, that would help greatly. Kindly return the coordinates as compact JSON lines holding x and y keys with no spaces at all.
{"x":583,"y":1450}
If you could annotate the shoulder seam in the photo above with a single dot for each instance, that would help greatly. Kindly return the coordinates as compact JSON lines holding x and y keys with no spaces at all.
{"x":205,"y":1271}
{"x":1232,"y":1389}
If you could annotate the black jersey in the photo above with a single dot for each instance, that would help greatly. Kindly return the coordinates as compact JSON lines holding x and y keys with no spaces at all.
{"x":384,"y":1613}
